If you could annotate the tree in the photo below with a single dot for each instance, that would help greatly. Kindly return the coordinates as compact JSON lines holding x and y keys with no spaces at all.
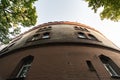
{"x":14,"y":13}
{"x":111,"y":8}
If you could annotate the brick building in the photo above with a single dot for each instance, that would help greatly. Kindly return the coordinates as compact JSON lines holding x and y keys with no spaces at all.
{"x":60,"y":51}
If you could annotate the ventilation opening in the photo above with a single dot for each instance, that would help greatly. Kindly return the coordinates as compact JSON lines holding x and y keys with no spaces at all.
{"x":90,"y":66}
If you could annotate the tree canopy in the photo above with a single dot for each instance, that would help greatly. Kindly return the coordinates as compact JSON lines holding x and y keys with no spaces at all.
{"x":14,"y":13}
{"x":111,"y":8}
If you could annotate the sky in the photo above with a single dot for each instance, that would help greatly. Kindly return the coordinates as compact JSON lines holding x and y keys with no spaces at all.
{"x":76,"y":11}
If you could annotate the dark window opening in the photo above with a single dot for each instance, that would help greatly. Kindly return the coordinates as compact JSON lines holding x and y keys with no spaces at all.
{"x":110,"y":66}
{"x":86,"y":30}
{"x":76,"y":28}
{"x":36,"y":37}
{"x":39,"y":36}
{"x":91,"y":37}
{"x":91,"y":68}
{"x":38,"y":30}
{"x":46,"y":35}
{"x":44,"y":29}
{"x":22,"y":68}
{"x":80,"y":28}
{"x":49,"y":27}
{"x":90,"y":65}
{"x":81,"y":35}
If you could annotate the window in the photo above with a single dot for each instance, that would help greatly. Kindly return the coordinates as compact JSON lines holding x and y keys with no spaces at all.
{"x":80,"y":28}
{"x":49,"y":27}
{"x":21,"y":70}
{"x":44,"y":28}
{"x":86,"y":30}
{"x":26,"y":64}
{"x":76,"y":27}
{"x":39,"y":36}
{"x":81,"y":35}
{"x":110,"y":66}
{"x":91,"y":68}
{"x":89,"y":64}
{"x":91,"y":37}
{"x":46,"y":35}
{"x":36,"y":37}
{"x":24,"y":69}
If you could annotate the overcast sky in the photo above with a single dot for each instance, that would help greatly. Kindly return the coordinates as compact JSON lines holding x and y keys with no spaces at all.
{"x":76,"y":11}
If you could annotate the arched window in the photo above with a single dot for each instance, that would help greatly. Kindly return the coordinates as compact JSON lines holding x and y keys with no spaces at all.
{"x":110,"y":66}
{"x":22,"y":68}
{"x":26,"y":64}
{"x":92,"y":37}
{"x":81,"y":35}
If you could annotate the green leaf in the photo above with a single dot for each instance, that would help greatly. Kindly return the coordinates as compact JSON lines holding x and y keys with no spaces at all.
{"x":14,"y":13}
{"x":111,"y":8}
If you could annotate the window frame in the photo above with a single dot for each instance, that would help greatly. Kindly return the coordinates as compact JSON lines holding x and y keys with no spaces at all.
{"x":81,"y":35}
{"x":30,"y":39}
{"x":16,"y":74}
{"x":81,"y":28}
{"x":44,"y":35}
{"x":92,"y":37}
{"x":110,"y":66}
{"x":22,"y":69}
{"x":110,"y":69}
{"x":36,"y":37}
{"x":45,"y":28}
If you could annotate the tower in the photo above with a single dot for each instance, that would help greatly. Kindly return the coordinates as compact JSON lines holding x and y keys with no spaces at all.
{"x":60,"y":51}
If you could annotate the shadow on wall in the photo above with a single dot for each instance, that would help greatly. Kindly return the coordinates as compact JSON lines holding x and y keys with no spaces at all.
{"x":1,"y":78}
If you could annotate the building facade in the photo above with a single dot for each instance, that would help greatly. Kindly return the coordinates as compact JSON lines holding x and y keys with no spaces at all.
{"x":60,"y":51}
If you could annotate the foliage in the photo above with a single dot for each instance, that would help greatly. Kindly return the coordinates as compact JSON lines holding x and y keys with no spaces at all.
{"x":111,"y":8}
{"x":14,"y":13}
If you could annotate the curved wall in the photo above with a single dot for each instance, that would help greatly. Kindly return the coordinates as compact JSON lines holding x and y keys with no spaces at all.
{"x":60,"y":51}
